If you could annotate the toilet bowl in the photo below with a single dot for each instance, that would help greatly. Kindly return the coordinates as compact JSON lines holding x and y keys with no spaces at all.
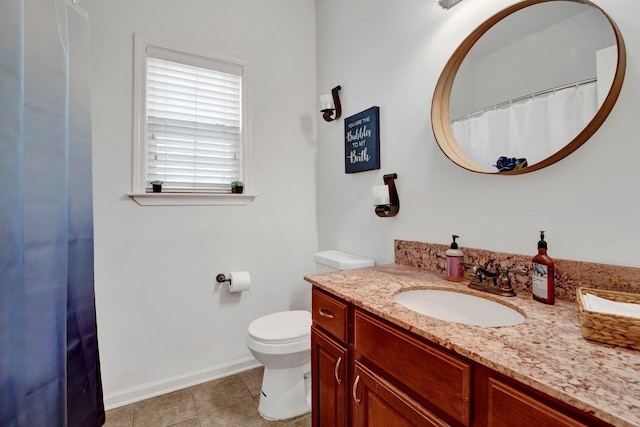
{"x":282,"y":343}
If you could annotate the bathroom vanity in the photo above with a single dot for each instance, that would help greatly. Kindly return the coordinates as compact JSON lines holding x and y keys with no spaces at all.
{"x":378,"y":363}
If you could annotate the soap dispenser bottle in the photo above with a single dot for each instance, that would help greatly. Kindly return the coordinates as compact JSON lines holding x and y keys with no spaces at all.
{"x":543,"y":282}
{"x":454,"y":271}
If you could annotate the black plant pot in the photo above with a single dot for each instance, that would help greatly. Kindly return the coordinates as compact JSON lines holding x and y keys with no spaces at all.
{"x":157,"y":188}
{"x":238,"y":189}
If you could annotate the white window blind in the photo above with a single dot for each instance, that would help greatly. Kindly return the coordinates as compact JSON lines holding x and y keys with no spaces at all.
{"x":194,"y":122}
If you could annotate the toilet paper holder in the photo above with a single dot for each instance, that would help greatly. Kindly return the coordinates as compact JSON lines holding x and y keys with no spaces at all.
{"x":237,"y":281}
{"x":390,"y":209}
{"x":221,"y":278}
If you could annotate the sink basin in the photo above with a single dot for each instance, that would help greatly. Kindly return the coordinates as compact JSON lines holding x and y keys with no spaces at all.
{"x":458,"y":307}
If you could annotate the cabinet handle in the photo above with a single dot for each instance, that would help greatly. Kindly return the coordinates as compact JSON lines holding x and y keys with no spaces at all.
{"x":355,"y":387}
{"x":335,"y":370}
{"x":325,"y":313}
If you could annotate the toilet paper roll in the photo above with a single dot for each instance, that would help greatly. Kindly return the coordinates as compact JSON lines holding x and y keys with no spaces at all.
{"x":380,"y":195}
{"x":240,"y":281}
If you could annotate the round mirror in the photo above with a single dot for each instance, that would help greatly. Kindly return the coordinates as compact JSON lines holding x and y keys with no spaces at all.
{"x":528,"y":86}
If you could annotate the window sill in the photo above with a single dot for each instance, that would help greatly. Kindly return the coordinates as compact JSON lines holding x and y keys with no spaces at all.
{"x":191,"y":199}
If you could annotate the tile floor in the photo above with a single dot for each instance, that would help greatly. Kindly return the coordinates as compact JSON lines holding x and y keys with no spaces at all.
{"x":227,"y":402}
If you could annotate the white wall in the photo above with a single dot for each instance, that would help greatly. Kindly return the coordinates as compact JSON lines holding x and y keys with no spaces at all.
{"x":390,"y":54}
{"x":163,"y":322}
{"x":567,"y":51}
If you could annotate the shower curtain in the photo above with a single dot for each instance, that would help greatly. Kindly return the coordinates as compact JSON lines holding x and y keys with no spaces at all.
{"x":49,"y":365}
{"x":534,"y":128}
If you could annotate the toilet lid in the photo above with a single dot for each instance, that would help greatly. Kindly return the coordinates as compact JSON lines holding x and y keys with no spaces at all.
{"x":286,"y":326}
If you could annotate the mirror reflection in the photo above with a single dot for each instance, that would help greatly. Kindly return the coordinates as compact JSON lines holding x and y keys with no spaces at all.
{"x":529,"y":86}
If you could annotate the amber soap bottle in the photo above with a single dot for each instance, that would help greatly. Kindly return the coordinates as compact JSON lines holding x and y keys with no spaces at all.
{"x":543,"y":282}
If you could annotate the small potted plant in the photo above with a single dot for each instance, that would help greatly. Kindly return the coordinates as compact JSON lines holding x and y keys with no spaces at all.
{"x":157,"y":186}
{"x":237,"y":187}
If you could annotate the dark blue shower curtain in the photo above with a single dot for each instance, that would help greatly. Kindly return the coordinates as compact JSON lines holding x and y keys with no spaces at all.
{"x":49,"y":364}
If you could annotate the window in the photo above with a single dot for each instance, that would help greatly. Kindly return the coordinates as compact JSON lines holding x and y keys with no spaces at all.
{"x":190,"y":121}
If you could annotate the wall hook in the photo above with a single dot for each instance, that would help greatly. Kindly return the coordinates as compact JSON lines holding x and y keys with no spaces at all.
{"x":330,"y":105}
{"x":394,"y":202}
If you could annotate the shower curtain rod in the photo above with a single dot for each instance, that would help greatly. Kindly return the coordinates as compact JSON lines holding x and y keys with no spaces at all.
{"x":522,"y":98}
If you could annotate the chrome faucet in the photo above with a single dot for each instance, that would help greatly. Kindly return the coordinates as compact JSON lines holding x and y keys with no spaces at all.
{"x":491,"y":278}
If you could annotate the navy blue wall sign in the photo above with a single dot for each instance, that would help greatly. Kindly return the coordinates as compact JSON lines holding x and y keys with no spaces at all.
{"x":362,"y":141}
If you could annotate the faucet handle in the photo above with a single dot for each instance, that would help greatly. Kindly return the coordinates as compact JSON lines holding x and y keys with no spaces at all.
{"x":473,"y":271}
{"x":504,"y":281}
{"x":471,"y":265}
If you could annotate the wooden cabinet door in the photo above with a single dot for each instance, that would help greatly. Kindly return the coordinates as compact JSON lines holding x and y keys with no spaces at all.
{"x":508,"y":406}
{"x":377,"y":403}
{"x":329,"y":381}
{"x":438,"y":379}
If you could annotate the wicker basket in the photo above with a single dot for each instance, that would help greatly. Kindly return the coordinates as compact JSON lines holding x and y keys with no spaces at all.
{"x":621,"y":331}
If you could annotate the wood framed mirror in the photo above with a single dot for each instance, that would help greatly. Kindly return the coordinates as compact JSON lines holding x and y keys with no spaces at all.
{"x":561,"y":63}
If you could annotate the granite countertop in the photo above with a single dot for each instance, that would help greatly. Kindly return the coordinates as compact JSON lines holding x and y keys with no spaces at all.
{"x":546,"y":352}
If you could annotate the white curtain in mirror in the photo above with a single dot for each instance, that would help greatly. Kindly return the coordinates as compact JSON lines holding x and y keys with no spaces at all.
{"x":534,"y":128}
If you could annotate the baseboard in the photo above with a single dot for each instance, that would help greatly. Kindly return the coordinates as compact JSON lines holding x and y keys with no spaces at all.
{"x":156,"y":388}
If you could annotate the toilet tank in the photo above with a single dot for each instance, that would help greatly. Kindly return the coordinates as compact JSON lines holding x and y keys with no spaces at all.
{"x":335,"y":260}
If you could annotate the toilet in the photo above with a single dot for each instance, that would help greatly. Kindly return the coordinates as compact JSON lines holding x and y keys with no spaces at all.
{"x":282,"y":343}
